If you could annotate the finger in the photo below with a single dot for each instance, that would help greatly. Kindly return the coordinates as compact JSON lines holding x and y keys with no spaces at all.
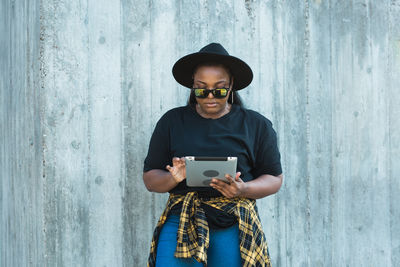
{"x":237,"y":178}
{"x":229,"y":178}
{"x":221,"y":189}
{"x":218,"y":182}
{"x":221,"y":185}
{"x":176,"y":161}
{"x":217,"y":186}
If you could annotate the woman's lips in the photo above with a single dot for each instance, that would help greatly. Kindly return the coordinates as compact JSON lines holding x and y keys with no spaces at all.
{"x":211,"y":105}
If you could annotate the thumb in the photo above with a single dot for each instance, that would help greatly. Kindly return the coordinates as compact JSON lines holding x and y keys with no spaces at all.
{"x":238,"y":176}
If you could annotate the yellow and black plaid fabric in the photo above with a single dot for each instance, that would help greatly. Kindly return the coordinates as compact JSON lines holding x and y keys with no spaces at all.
{"x":193,"y":231}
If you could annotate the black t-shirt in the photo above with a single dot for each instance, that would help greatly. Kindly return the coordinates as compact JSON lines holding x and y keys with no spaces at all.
{"x":241,"y":133}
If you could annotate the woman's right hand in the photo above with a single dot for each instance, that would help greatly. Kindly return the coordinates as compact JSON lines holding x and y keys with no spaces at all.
{"x":178,"y":169}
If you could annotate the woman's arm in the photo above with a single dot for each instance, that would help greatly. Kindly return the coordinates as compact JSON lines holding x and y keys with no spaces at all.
{"x":263,"y":186}
{"x":260,"y":187}
{"x":161,"y":181}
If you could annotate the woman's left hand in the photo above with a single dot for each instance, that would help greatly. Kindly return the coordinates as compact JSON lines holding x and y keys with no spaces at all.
{"x":234,"y":188}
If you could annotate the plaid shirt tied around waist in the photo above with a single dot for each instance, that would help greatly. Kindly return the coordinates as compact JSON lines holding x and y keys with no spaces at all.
{"x":193,"y":231}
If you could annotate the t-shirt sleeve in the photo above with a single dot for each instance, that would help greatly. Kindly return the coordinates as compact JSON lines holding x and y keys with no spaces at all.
{"x":267,"y":156}
{"x":158,"y":155}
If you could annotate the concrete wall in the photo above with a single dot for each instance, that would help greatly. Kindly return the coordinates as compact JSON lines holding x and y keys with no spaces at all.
{"x":21,"y":182}
{"x":84,"y":82}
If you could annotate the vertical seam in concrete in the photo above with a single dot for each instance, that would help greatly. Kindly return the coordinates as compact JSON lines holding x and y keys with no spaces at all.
{"x":389,"y":162}
{"x":371,"y":79}
{"x":275,"y":53}
{"x":306,"y":83}
{"x":208,"y":15}
{"x":259,"y":51}
{"x":123,"y":98}
{"x":233,"y":25}
{"x":276,"y":119}
{"x":153,"y":199}
{"x":285,"y":156}
{"x":89,"y":167}
{"x":123,"y":119}
{"x":7,"y":134}
{"x":352,"y":83}
{"x":58,"y":252}
{"x":28,"y":86}
{"x":332,"y":96}
{"x":352,"y":42}
{"x":41,"y":112}
{"x":35,"y":254}
{"x":388,"y":123}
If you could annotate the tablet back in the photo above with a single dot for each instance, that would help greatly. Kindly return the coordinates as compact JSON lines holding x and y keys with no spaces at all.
{"x":200,"y":170}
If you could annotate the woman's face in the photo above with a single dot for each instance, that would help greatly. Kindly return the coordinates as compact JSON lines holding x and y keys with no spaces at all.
{"x":211,"y":77}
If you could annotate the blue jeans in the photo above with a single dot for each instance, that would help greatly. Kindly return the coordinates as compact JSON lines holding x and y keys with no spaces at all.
{"x":223,"y":249}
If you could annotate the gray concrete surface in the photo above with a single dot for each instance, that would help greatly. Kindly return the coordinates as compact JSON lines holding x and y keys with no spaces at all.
{"x":21,"y":167}
{"x":84,"y":82}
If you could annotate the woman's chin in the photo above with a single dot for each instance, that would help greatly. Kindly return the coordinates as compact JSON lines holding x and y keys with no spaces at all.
{"x":210,"y":110}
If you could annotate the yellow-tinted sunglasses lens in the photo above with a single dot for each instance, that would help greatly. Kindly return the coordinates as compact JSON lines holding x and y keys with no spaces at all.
{"x":201,"y":93}
{"x":217,"y":93}
{"x":220,"y":92}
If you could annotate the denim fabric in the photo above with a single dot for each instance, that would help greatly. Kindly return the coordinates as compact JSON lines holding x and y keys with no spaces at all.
{"x":223,"y":249}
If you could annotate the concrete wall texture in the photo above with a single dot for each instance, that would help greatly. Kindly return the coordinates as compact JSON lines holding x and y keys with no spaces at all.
{"x":84,"y":82}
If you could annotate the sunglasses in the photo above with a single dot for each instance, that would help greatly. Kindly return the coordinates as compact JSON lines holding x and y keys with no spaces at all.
{"x":217,"y":92}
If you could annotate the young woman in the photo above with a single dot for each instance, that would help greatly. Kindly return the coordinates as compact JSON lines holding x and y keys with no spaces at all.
{"x":217,"y":225}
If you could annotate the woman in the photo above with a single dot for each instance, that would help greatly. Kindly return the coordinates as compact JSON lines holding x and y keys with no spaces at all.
{"x":217,"y":225}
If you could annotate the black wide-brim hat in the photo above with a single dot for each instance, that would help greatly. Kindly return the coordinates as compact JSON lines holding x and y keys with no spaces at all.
{"x":214,"y":52}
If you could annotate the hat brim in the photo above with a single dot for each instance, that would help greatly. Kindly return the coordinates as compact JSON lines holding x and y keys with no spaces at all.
{"x":184,"y":67}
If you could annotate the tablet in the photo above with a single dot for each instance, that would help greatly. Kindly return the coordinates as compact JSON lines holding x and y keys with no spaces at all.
{"x":200,"y":170}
